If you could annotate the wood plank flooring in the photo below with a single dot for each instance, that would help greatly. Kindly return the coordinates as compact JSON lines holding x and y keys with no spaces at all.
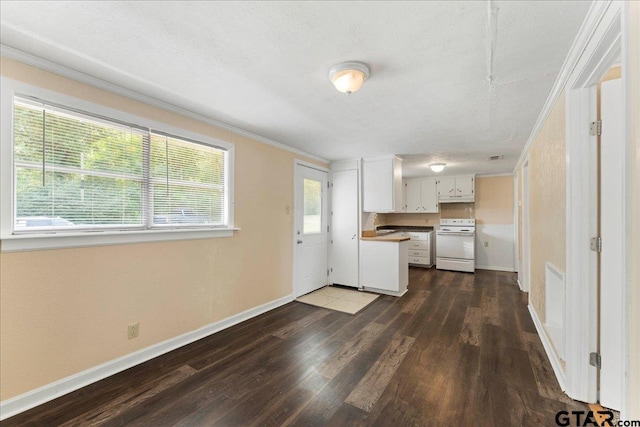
{"x":457,"y":349}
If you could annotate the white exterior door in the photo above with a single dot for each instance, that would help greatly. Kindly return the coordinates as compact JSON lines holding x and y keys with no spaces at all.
{"x":310,"y":236}
{"x":612,"y":256}
{"x":344,"y":227}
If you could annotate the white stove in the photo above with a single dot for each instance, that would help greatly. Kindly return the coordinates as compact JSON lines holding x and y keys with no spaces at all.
{"x":455,"y":245}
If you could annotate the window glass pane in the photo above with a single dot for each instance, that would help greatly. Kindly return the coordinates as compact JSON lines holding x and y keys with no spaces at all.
{"x":75,"y":200}
{"x":187,"y":182}
{"x":312,"y":206}
{"x":72,"y":171}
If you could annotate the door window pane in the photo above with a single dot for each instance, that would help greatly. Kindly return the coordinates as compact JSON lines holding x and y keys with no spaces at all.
{"x":312,"y":206}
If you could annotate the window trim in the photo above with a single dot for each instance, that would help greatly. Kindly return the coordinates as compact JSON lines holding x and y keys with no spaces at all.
{"x":9,"y":89}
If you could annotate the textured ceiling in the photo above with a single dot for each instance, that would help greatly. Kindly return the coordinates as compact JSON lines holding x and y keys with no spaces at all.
{"x":450,"y":81}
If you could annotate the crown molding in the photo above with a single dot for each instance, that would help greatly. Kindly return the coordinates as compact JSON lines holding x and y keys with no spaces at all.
{"x":594,"y":15}
{"x":489,"y":175}
{"x":53,"y":67}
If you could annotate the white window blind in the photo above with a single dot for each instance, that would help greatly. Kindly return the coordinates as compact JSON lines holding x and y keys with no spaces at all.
{"x":187,"y":182}
{"x":74,"y":171}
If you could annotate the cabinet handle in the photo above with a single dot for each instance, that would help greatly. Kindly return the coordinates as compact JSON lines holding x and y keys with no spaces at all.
{"x":418,"y":208}
{"x":354,"y":236}
{"x":299,"y":241}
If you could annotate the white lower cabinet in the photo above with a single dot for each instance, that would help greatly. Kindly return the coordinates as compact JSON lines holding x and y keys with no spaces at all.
{"x":420,"y":253}
{"x":419,"y":250}
{"x":383,"y":266}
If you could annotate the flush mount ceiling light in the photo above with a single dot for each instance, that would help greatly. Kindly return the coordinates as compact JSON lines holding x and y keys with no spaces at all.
{"x":348,"y":77}
{"x":437,"y":167}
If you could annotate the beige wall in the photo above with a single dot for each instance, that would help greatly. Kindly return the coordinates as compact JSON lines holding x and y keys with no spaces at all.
{"x":64,"y":311}
{"x":547,"y":202}
{"x":494,"y":200}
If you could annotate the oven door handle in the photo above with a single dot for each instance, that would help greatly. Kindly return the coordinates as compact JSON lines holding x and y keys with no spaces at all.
{"x":455,"y":234}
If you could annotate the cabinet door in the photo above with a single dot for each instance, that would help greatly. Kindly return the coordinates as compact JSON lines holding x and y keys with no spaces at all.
{"x":414,"y":203}
{"x":464,"y":186}
{"x":404,"y":195}
{"x":447,"y":187}
{"x":377,"y":177}
{"x":382,"y":185}
{"x":428,"y":195}
{"x":397,"y":202}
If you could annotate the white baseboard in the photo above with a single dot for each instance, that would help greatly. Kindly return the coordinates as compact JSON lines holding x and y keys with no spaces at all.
{"x":548,"y":348}
{"x":494,"y":268}
{"x":519,"y":285}
{"x":33,"y":398}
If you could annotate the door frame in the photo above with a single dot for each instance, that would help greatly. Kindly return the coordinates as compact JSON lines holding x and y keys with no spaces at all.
{"x":525,"y":267}
{"x":600,"y":53}
{"x":517,"y":213}
{"x":294,"y":239}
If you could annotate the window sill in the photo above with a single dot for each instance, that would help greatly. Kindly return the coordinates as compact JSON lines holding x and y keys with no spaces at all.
{"x":34,"y":242}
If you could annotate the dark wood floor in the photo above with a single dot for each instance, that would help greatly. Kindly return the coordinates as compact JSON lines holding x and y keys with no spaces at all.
{"x":458,"y":349}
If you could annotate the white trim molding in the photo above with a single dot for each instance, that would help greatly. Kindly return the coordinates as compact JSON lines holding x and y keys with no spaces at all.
{"x":39,"y":241}
{"x":594,"y":15}
{"x":33,"y":398}
{"x":61,"y":70}
{"x":581,"y":331}
{"x":489,"y":175}
{"x":495,"y":268}
{"x":556,"y":364}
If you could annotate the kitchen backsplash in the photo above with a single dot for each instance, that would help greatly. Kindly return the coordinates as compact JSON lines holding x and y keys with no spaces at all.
{"x":447,"y":210}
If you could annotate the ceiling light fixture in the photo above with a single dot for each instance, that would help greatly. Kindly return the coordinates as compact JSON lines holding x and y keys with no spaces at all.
{"x":348,"y":77}
{"x":437,"y":167}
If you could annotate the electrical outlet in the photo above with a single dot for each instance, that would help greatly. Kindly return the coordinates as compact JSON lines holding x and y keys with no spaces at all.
{"x":486,"y":244}
{"x":133,"y":330}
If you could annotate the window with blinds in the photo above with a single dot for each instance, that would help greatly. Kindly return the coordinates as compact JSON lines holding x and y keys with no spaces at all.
{"x":74,"y":171}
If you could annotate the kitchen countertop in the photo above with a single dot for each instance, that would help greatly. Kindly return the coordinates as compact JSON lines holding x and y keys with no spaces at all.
{"x":386,"y":239}
{"x":405,"y":227}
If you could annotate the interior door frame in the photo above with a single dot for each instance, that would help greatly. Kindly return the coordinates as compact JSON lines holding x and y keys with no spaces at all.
{"x":296,"y":164}
{"x":525,"y":267}
{"x":602,"y":51}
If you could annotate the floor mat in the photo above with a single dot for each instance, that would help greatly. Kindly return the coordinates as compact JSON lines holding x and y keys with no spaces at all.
{"x":339,"y":299}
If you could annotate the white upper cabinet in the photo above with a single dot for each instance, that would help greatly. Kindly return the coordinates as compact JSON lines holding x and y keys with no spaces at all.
{"x":413,"y":202}
{"x":382,"y":185}
{"x":453,"y":189}
{"x":422,"y":195}
{"x":404,"y":195}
